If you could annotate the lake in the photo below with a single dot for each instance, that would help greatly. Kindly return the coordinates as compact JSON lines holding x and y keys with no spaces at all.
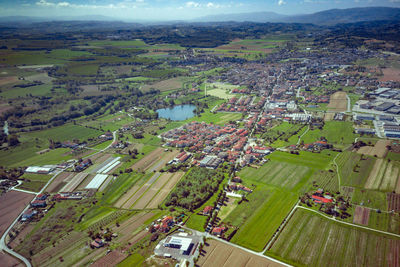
{"x":177,"y":113}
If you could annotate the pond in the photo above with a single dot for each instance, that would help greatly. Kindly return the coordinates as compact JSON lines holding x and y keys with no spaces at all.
{"x":177,"y":113}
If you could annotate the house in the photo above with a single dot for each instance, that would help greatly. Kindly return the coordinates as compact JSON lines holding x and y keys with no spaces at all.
{"x":97,"y":243}
{"x":318,"y":199}
{"x":218,"y":231}
{"x":41,"y":197}
{"x":207,"y":210}
{"x":27,"y":215}
{"x":39,"y":204}
{"x":236,"y":179}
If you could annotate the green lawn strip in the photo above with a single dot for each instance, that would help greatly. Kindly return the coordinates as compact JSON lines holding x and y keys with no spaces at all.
{"x":133,"y":260}
{"x":94,"y":215}
{"x":118,"y":187}
{"x":393,"y":156}
{"x":196,"y":222}
{"x":102,"y":145}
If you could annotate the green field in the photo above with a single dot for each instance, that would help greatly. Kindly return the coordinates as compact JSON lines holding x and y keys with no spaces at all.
{"x":280,"y":174}
{"x":264,"y":219}
{"x":311,"y":240}
{"x":133,"y":260}
{"x":34,"y":182}
{"x":305,"y":158}
{"x":389,"y":222}
{"x":37,"y":90}
{"x":326,"y":180}
{"x":370,"y":198}
{"x":354,"y":168}
{"x":336,"y":132}
{"x":65,"y":132}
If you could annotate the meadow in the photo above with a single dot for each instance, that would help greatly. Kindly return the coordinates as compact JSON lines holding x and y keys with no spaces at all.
{"x":336,"y":132}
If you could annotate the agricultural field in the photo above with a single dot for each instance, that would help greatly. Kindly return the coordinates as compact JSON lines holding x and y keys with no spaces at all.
{"x":326,"y":180}
{"x":338,"y":102}
{"x":220,"y":90}
{"x":165,"y":85}
{"x":11,"y":204}
{"x":34,"y":182}
{"x":379,"y":149}
{"x":361,"y":215}
{"x":393,"y":202}
{"x":384,"y":175}
{"x":354,"y":168}
{"x":331,"y":243}
{"x":308,"y":159}
{"x":216,"y":254}
{"x":280,"y":174}
{"x":338,"y":133}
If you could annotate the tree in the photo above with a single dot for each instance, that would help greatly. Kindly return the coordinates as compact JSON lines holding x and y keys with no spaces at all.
{"x":13,"y":140}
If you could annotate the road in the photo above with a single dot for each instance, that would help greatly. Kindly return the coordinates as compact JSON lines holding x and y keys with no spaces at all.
{"x":3,"y":245}
{"x":348,"y":103}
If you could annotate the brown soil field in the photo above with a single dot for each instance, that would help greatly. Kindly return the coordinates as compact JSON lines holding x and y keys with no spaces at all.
{"x":6,"y":260}
{"x":140,"y":191}
{"x":21,"y":235}
{"x":395,"y":253}
{"x":397,"y":189}
{"x":220,"y":254}
{"x":361,"y":215}
{"x":163,"y":161}
{"x":85,"y":181}
{"x":12,"y":204}
{"x":74,"y":182}
{"x":329,"y":116}
{"x":379,"y":149}
{"x":390,"y":74}
{"x":166,"y":85}
{"x":7,"y":80}
{"x":128,"y":227}
{"x":137,"y":238}
{"x":42,"y":77}
{"x":126,"y":196}
{"x":393,"y":202}
{"x":99,"y":157}
{"x":57,"y":181}
{"x":159,"y":198}
{"x":338,"y":102}
{"x":148,"y":196}
{"x":149,"y":159}
{"x":111,"y":259}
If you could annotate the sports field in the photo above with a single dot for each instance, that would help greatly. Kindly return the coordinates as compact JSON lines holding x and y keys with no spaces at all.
{"x":312,"y":240}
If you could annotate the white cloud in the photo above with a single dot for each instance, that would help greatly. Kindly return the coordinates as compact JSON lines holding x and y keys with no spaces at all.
{"x":63,"y":4}
{"x":44,"y":3}
{"x":281,"y":2}
{"x":192,"y":4}
{"x":212,"y":5}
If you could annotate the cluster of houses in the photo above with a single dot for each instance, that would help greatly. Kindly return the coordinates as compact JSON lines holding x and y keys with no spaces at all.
{"x":68,"y":196}
{"x":216,"y":143}
{"x":243,"y":104}
{"x":80,"y":166}
{"x":162,"y":225}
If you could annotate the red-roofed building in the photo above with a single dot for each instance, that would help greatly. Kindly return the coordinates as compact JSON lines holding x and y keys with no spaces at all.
{"x":207,"y":210}
{"x":218,"y":231}
{"x":319,"y":199}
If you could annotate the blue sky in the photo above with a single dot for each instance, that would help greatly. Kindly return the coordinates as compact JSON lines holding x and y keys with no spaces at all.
{"x":173,"y":9}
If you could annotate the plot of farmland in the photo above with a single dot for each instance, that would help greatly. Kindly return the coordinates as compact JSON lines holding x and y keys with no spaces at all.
{"x":140,"y":190}
{"x":390,"y":74}
{"x":11,"y":204}
{"x":338,"y":102}
{"x":277,"y":173}
{"x":361,"y":215}
{"x":379,"y":149}
{"x":260,"y":217}
{"x":312,"y":240}
{"x":217,"y":254}
{"x":8,"y":260}
{"x":128,"y":227}
{"x":166,"y":85}
{"x":7,"y":80}
{"x":74,"y":182}
{"x":384,"y":175}
{"x":148,"y":160}
{"x":354,"y":170}
{"x":393,"y":202}
{"x":59,"y":181}
{"x":163,"y":193}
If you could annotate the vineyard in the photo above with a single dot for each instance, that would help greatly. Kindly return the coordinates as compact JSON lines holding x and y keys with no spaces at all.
{"x":312,"y":240}
{"x":326,"y":180}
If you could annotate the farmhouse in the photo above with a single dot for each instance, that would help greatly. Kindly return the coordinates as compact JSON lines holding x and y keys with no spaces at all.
{"x":318,"y":199}
{"x":218,"y":231}
{"x":39,"y":204}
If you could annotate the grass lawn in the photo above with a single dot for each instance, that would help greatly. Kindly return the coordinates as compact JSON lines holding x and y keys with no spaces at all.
{"x":305,"y":158}
{"x":196,"y":222}
{"x":38,"y":90}
{"x":94,"y":215}
{"x":133,"y":260}
{"x":34,"y":182}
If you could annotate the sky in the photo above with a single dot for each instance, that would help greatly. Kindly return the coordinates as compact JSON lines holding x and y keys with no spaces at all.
{"x":158,"y":10}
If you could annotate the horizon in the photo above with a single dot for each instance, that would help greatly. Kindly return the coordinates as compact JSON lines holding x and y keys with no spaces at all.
{"x":174,"y":10}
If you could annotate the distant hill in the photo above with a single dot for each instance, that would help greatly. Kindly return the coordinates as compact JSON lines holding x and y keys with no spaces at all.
{"x":350,"y":15}
{"x":241,"y":17}
{"x":327,"y":17}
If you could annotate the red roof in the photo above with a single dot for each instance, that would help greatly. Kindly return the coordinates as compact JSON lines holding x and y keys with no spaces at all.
{"x":319,"y":199}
